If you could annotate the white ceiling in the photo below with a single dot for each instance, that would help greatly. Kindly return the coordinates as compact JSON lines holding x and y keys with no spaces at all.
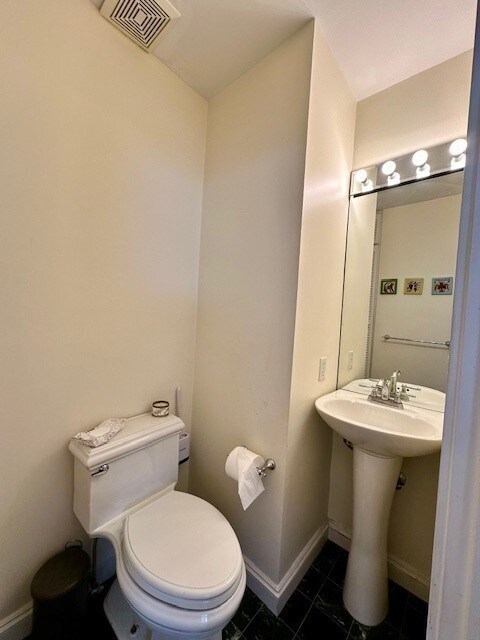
{"x":377,"y":42}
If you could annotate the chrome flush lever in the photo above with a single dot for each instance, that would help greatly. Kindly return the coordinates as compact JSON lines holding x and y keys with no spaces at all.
{"x":102,"y":470}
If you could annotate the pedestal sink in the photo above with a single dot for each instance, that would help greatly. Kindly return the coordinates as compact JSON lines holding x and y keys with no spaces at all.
{"x":381,"y":436}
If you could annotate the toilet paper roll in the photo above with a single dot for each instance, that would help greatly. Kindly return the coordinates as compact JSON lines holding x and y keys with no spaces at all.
{"x":241,"y":465}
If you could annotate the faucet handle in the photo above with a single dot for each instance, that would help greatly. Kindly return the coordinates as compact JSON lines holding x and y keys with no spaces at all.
{"x":377,"y":389}
{"x":394,"y":380}
{"x":404,"y":394}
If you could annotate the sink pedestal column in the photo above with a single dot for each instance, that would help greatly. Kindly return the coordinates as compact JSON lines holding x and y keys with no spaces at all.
{"x":366,"y":584}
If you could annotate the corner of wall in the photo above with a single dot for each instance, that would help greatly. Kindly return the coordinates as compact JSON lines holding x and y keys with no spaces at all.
{"x":319,"y":296}
{"x":250,"y":240}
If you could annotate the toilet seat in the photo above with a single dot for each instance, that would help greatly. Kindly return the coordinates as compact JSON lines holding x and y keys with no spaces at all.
{"x":182,"y":551}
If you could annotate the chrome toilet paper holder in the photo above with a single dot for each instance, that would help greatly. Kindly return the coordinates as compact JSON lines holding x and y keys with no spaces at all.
{"x":269,"y":465}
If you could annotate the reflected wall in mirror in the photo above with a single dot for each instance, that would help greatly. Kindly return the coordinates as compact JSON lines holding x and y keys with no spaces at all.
{"x":403,"y":232}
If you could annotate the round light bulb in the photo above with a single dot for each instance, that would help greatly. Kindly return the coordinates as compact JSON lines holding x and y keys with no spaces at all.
{"x":361,"y":175}
{"x":458,"y":147}
{"x":388,"y":168}
{"x":420,"y":158}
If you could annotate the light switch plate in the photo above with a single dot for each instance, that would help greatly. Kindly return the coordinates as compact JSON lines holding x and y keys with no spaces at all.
{"x":323,"y":369}
{"x":350,"y":361}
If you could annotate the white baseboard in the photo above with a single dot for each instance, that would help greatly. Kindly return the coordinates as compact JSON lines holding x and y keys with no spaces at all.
{"x":17,"y":625}
{"x":275,"y":595}
{"x":398,"y":570}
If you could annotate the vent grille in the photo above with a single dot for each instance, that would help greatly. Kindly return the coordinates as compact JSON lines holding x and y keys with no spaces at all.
{"x":141,"y":20}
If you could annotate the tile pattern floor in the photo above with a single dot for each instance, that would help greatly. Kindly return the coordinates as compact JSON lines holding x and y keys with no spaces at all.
{"x":315,"y":611}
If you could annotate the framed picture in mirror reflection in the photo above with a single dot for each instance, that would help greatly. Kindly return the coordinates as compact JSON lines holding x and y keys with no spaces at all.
{"x":442,"y":286}
{"x":413,"y":286}
{"x":388,"y":287}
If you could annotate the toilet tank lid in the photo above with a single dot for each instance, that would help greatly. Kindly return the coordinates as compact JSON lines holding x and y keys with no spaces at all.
{"x":138,"y":432}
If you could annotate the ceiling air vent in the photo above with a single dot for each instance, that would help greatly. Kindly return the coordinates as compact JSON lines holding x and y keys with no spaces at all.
{"x":141,"y":20}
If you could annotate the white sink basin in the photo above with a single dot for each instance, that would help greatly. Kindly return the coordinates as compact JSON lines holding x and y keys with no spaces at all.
{"x":381,"y":429}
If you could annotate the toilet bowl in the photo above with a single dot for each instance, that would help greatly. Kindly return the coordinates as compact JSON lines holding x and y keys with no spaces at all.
{"x":180,"y":570}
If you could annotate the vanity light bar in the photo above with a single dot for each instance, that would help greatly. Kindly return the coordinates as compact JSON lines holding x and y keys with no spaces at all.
{"x":424,"y":163}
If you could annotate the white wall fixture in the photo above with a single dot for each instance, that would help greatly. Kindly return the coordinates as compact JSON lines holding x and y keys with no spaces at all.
{"x":361,"y":177}
{"x":424,"y":163}
{"x":419,"y":159}
{"x":457,"y":151}
{"x":389,"y":170}
{"x":141,"y":20}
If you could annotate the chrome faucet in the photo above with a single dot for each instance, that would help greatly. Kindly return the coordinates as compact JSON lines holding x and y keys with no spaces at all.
{"x":385,"y":391}
{"x":393,"y":382}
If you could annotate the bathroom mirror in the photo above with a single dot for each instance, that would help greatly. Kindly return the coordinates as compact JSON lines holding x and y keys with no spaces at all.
{"x":399,"y":282}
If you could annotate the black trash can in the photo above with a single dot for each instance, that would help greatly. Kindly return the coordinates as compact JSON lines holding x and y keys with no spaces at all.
{"x":60,"y":596}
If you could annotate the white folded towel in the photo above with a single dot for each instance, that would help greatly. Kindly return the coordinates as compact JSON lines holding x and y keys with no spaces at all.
{"x":101,"y":434}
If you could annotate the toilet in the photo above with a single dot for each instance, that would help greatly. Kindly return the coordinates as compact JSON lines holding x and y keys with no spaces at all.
{"x":179,"y":566}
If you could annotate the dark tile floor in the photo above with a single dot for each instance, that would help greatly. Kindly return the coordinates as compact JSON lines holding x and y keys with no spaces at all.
{"x":315,"y":611}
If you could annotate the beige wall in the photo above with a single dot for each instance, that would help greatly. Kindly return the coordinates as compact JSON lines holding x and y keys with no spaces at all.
{"x":424,"y":110}
{"x":317,"y":326}
{"x":101,"y":155}
{"x":418,"y":240}
{"x":254,"y":178}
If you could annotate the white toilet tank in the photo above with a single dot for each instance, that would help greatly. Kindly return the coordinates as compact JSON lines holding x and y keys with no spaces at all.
{"x":140,"y":461}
